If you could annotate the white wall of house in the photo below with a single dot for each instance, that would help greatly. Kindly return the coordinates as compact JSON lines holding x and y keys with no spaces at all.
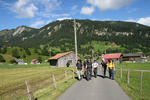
{"x":63,"y":60}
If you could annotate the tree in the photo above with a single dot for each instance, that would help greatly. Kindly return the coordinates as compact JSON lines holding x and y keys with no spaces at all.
{"x":2,"y":59}
{"x":36,"y":51}
{"x":27,"y":51}
{"x":39,"y":59}
{"x":24,"y":56}
{"x":15,"y":53}
{"x":4,"y":50}
{"x":45,"y":52}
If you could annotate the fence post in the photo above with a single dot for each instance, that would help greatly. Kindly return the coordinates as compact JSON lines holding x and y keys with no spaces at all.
{"x":128,"y":76}
{"x":54,"y":81}
{"x":121,"y":72}
{"x":141,"y":77}
{"x":29,"y":91}
{"x":66,"y":76}
{"x":73,"y":73}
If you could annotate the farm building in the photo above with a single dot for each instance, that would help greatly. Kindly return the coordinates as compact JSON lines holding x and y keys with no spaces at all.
{"x":20,"y":62}
{"x":35,"y":61}
{"x":114,"y":56}
{"x":62,"y":59}
{"x":134,"y":57}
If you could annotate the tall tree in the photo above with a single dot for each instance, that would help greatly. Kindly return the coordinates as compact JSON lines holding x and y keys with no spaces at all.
{"x":15,"y":53}
{"x":2,"y":59}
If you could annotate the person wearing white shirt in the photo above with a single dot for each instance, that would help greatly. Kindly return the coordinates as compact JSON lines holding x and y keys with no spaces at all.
{"x":94,"y":67}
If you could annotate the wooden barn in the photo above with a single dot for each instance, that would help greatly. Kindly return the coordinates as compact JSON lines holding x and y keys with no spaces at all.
{"x":62,"y":59}
{"x":134,"y":57}
{"x":116,"y":57}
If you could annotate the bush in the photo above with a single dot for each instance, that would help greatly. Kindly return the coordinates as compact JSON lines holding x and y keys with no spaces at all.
{"x":4,"y":50}
{"x":12,"y":61}
{"x":2,"y":59}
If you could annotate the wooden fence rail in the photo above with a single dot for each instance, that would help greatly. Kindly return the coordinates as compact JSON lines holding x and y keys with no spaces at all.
{"x":30,"y":88}
{"x":128,"y":75}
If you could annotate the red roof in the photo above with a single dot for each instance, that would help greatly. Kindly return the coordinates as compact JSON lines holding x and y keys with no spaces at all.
{"x":59,"y":55}
{"x":33,"y":60}
{"x":112,"y":56}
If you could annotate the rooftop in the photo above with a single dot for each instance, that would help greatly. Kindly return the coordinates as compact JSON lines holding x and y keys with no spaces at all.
{"x":112,"y":56}
{"x":59,"y":55}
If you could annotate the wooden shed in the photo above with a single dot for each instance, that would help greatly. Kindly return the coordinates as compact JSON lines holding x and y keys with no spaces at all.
{"x":61,"y":59}
{"x":134,"y":57}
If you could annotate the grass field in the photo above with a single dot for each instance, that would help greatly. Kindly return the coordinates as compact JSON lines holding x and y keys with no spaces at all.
{"x":132,"y":89}
{"x":13,"y":77}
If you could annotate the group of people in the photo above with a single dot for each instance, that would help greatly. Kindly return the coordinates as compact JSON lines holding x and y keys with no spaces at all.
{"x":89,"y":66}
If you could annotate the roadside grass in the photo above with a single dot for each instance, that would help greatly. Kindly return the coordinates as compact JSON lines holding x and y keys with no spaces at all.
{"x":12,"y":82}
{"x":132,"y":89}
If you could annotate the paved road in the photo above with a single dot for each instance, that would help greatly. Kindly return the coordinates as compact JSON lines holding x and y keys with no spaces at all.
{"x":95,"y":89}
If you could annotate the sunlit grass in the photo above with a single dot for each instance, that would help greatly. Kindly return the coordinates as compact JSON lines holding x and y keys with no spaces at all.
{"x":132,"y":89}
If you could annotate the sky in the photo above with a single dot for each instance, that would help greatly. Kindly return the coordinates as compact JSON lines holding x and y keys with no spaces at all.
{"x":37,"y":13}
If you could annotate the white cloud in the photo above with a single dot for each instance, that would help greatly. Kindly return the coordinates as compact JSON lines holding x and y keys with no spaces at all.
{"x":108,"y":4}
{"x":50,"y":5}
{"x":37,"y":24}
{"x":24,"y":9}
{"x":87,"y":10}
{"x":144,"y":21}
{"x":64,"y":18}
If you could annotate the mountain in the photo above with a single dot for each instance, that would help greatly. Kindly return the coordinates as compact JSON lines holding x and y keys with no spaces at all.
{"x":61,"y":34}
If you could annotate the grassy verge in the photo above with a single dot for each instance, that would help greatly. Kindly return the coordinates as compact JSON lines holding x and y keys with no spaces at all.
{"x":132,"y":89}
{"x":12,"y":82}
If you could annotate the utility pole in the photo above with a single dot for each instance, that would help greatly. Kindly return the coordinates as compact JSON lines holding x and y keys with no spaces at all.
{"x":75,"y":37}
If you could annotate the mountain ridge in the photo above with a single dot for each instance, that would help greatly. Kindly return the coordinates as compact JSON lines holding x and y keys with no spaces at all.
{"x":61,"y":34}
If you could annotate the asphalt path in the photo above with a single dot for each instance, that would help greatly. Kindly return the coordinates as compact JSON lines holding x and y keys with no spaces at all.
{"x":95,"y":89}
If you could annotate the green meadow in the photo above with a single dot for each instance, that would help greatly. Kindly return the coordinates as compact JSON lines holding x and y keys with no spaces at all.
{"x":132,"y":89}
{"x":13,"y":77}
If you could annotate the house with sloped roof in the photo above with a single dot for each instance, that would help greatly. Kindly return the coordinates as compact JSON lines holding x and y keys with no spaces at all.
{"x":116,"y":57}
{"x":35,"y":61}
{"x":134,"y":57}
{"x":62,"y":59}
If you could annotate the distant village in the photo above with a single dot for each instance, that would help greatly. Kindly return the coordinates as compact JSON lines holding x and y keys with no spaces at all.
{"x":68,"y":59}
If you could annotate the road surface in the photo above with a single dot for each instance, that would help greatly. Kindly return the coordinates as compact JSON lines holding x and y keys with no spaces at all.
{"x":95,"y":89}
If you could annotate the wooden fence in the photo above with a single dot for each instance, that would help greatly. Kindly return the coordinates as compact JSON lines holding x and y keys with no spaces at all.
{"x":128,"y":75}
{"x":31,"y":87}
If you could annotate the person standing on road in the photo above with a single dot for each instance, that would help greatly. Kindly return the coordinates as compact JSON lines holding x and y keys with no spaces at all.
{"x":79,"y":69}
{"x":94,"y":67}
{"x":89,"y":70}
{"x":104,"y":65}
{"x":85,"y":68}
{"x":111,"y":68}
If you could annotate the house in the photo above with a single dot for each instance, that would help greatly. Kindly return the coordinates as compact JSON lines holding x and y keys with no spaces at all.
{"x":35,"y":61}
{"x":134,"y":57}
{"x":116,"y":57}
{"x":20,"y":62}
{"x":62,"y":59}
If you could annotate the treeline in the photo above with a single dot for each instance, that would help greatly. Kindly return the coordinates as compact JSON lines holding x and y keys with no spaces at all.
{"x":25,"y":53}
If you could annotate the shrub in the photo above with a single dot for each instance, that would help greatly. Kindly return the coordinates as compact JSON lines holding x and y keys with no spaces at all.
{"x":2,"y":59}
{"x":12,"y":61}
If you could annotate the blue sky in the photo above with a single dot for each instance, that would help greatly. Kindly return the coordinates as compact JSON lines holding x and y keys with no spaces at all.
{"x":37,"y":13}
